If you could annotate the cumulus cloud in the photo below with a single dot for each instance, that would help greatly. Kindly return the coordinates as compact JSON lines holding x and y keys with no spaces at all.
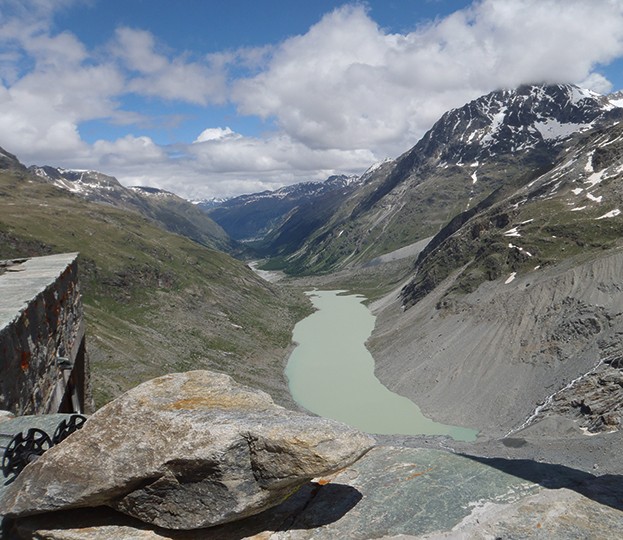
{"x":348,"y":84}
{"x":41,"y":107}
{"x":216,"y":134}
{"x":274,"y":154}
{"x":342,"y":95}
{"x":177,"y":78}
{"x":128,"y":150}
{"x":233,"y":164}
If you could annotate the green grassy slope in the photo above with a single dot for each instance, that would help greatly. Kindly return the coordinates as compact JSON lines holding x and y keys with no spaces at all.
{"x":155,"y":302}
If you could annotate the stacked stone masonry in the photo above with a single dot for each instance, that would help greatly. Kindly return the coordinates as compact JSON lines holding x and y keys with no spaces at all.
{"x":43,"y":365}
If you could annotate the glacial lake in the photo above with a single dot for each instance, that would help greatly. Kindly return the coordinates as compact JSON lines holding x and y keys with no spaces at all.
{"x":331,"y":373}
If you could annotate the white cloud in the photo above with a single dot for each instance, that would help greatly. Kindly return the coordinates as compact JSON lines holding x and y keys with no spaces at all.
{"x":597,"y":83}
{"x":216,"y":134}
{"x":154,"y":74}
{"x":275,"y":154}
{"x":343,"y":95}
{"x":136,"y":49}
{"x":129,"y":150}
{"x":348,"y":84}
{"x":230,"y":165}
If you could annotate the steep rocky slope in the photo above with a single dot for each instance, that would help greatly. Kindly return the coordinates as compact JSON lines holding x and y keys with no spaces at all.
{"x":571,"y":210}
{"x":511,"y":303}
{"x":487,"y":358}
{"x":155,"y":302}
{"x":508,"y":136}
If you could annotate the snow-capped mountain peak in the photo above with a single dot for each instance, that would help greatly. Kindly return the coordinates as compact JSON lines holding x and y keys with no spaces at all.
{"x":83,"y":182}
{"x":511,"y":121}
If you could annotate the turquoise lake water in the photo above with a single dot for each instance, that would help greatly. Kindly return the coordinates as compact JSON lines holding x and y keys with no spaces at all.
{"x":331,"y":373}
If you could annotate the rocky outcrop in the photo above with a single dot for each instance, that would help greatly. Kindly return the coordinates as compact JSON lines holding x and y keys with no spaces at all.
{"x":394,"y":493}
{"x":186,"y":451}
{"x":594,"y":400}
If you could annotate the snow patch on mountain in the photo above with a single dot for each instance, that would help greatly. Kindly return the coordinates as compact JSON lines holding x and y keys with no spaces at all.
{"x":520,"y":249}
{"x":594,"y":198}
{"x":514,"y":121}
{"x":551,"y":129}
{"x":376,"y":166}
{"x":152,"y":192}
{"x":510,"y":278}
{"x":611,"y":214}
{"x":497,"y":120}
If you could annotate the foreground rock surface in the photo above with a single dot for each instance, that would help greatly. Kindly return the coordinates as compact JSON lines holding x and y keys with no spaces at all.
{"x":186,"y":451}
{"x":398,"y":493}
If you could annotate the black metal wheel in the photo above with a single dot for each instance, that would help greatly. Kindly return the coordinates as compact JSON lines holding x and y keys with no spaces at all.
{"x":22,"y":450}
{"x":67,"y":427}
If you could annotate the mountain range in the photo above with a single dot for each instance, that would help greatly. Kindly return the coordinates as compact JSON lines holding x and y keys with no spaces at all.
{"x":175,"y":214}
{"x":506,"y":137}
{"x":491,"y":254}
{"x":507,"y":217}
{"x":515,"y":188}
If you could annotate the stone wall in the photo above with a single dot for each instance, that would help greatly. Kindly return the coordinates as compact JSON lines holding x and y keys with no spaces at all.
{"x":43,"y":361}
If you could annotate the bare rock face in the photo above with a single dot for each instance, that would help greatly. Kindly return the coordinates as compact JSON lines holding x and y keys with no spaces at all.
{"x":185,"y":451}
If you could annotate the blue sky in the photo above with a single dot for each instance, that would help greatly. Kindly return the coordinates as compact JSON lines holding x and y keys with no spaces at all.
{"x":210,"y":98}
{"x":200,"y":27}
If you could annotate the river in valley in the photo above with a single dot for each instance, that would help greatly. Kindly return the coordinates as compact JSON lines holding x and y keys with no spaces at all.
{"x":331,"y":373}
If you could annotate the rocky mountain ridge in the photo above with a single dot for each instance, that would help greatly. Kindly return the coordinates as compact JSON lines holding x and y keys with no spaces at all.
{"x":252,"y":217}
{"x":570,"y":210}
{"x":506,"y":136}
{"x":165,"y":208}
{"x":511,"y":121}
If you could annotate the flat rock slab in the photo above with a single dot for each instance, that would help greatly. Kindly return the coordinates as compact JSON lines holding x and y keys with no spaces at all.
{"x":399,"y":493}
{"x":186,"y":451}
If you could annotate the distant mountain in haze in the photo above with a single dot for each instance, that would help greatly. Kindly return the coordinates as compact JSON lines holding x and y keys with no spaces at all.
{"x":253,"y":217}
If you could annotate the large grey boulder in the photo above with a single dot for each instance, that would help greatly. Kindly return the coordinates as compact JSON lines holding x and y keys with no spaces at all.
{"x":185,"y":451}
